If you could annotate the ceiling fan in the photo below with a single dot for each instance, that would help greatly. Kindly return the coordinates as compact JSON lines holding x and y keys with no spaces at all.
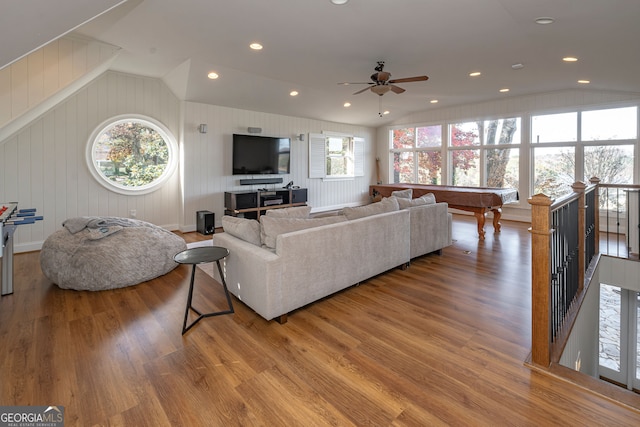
{"x":381,"y":82}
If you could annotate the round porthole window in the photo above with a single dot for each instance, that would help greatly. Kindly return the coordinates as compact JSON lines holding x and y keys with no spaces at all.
{"x":132,"y":154}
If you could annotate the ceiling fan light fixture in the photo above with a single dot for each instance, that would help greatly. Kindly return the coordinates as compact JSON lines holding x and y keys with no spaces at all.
{"x":380,"y":89}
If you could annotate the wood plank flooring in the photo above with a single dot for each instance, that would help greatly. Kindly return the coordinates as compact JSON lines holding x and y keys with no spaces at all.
{"x":440,"y":343}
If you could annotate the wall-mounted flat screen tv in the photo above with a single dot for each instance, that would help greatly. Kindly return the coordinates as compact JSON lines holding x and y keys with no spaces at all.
{"x":260,"y":155}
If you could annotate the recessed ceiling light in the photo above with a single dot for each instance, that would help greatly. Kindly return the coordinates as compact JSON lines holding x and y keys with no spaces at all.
{"x":213,"y":75}
{"x":517,"y":66}
{"x":293,"y":93}
{"x":346,"y":104}
{"x":255,"y":46}
{"x":385,"y":112}
{"x":584,"y":82}
{"x":569,"y":59}
{"x":474,"y":74}
{"x":544,"y":20}
{"x":504,"y":89}
{"x":339,"y":1}
{"x":434,"y":101}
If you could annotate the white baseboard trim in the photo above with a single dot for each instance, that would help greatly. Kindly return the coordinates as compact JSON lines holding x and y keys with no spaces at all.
{"x":27,"y":247}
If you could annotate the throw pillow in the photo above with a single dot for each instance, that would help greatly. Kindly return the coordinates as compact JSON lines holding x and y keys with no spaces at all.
{"x":388,"y":204}
{"x":292,"y":212}
{"x":403,"y":194}
{"x":427,"y":199}
{"x":242,"y":228}
{"x":273,"y":227}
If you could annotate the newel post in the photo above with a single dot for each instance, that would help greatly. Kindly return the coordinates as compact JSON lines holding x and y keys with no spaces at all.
{"x":596,"y":210}
{"x":540,"y":279}
{"x":580,"y":187}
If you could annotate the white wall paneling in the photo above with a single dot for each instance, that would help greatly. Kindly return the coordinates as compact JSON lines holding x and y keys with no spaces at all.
{"x":47,"y":71}
{"x":208,"y":158}
{"x":43,"y":165}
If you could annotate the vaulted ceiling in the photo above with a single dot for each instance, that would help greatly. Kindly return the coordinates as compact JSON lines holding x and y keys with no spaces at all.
{"x":311,"y":46}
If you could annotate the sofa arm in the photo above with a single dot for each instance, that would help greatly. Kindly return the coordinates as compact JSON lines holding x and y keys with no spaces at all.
{"x":252,"y":273}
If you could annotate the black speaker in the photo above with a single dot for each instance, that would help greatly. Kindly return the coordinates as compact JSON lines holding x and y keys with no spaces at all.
{"x":205,"y":221}
{"x":254,"y":181}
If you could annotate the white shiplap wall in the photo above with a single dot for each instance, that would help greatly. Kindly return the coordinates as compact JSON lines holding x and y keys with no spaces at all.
{"x":45,"y":72}
{"x":43,"y":165}
{"x":207,"y":157}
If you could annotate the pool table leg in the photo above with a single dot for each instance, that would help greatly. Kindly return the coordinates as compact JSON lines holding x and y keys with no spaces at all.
{"x":497,"y":213}
{"x":480,"y":220}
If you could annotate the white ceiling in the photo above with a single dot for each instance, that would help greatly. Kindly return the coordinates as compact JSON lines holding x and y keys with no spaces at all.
{"x":311,"y":45}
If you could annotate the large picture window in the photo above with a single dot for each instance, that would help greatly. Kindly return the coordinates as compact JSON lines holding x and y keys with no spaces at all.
{"x":131,"y":154}
{"x":478,"y":153}
{"x":580,"y":145}
{"x":417,"y":156}
{"x":546,"y":152}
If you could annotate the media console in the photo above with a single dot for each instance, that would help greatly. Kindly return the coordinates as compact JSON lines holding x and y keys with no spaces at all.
{"x":252,"y":204}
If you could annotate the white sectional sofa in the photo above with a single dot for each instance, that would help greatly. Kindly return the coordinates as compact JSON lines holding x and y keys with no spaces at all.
{"x":288,"y":260}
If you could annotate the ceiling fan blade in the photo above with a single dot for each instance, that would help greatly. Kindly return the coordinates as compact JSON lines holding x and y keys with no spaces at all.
{"x":410,"y":79}
{"x":362,"y":90}
{"x":354,"y":83}
{"x":396,"y":89}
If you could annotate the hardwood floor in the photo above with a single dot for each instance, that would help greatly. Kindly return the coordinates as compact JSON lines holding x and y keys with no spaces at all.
{"x":440,"y":343}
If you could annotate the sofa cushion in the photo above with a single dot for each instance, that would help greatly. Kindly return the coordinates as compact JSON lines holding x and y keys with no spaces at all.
{"x":272,"y":227}
{"x":403,"y":194}
{"x":388,"y":204}
{"x":242,"y":228}
{"x":292,"y":212}
{"x":427,"y":199}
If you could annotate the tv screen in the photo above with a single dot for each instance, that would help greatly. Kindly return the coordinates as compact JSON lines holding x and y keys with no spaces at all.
{"x":260,"y":155}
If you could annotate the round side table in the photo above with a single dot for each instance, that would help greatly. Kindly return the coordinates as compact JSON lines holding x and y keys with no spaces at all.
{"x":202,"y":255}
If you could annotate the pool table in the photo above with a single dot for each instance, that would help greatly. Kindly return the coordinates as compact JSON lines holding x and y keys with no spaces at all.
{"x":478,"y":200}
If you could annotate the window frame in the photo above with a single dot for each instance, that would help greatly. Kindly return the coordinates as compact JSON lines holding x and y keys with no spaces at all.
{"x":579,"y":145}
{"x":157,"y":126}
{"x":526,"y":181}
{"x":319,"y":156}
{"x":417,"y":150}
{"x":446,"y":149}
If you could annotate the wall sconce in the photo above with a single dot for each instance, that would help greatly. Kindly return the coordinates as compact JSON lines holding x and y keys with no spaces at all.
{"x":202,"y":128}
{"x":301,"y":137}
{"x":254,"y":130}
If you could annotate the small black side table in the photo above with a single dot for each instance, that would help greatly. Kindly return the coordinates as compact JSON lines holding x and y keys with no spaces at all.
{"x":202,"y":255}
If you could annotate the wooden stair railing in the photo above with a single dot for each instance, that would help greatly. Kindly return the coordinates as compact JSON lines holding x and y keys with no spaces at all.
{"x":551,"y":321}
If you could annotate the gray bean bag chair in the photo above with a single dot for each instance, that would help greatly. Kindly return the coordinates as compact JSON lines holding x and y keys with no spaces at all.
{"x":97,"y":253}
